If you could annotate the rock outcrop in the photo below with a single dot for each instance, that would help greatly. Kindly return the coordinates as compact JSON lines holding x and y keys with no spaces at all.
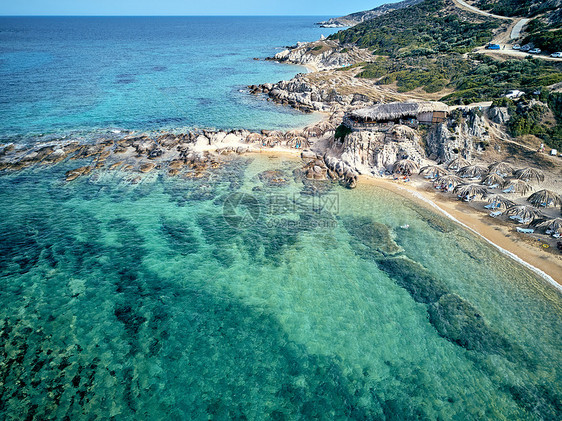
{"x":358,"y":17}
{"x":462,"y":136}
{"x":368,"y":152}
{"x":499,"y":115}
{"x":323,"y":55}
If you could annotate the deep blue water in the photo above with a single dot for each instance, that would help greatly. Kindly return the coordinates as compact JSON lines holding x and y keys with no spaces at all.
{"x":144,"y":73}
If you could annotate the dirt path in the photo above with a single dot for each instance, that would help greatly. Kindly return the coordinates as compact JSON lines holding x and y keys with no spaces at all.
{"x":464,"y":5}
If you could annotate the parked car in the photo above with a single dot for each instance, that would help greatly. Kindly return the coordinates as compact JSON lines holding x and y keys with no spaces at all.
{"x":535,"y":51}
{"x":556,"y":55}
{"x":493,"y":47}
{"x":516,"y":47}
{"x":514,"y":93}
{"x":526,"y":47}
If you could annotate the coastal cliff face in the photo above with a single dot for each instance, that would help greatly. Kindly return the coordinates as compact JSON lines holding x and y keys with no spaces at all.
{"x":323,"y":55}
{"x":460,"y":136}
{"x":372,"y":152}
{"x":358,"y":17}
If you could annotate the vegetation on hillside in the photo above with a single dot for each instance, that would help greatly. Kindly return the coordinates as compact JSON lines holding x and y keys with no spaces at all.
{"x":423,"y":46}
{"x":524,"y":8}
{"x":421,"y":29}
{"x":479,"y":78}
{"x":544,"y":36}
{"x":531,"y":116}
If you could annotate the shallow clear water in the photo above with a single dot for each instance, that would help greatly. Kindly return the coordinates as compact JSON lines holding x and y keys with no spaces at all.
{"x":156,"y":300}
{"x":144,"y":73}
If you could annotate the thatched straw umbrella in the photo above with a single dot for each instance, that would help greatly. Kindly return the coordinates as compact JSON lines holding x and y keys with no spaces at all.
{"x":551,"y":224}
{"x":525,"y":213}
{"x":472,"y":171}
{"x":470,"y":191}
{"x":457,"y":163}
{"x":500,"y":202}
{"x":493,"y":179}
{"x":448,"y":182}
{"x":405,"y":166}
{"x":528,"y":174}
{"x":326,"y":126}
{"x":312,"y":132}
{"x":293,"y":133}
{"x":545,"y":198}
{"x":433,"y":171}
{"x":501,"y":168}
{"x":271,"y":141}
{"x":516,"y":186}
{"x":297,"y":141}
{"x":254,"y":137}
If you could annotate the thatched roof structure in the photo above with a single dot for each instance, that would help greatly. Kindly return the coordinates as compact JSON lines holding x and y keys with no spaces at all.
{"x":396,"y":110}
{"x":457,"y":163}
{"x":545,"y":198}
{"x":517,"y":186}
{"x":312,"y":132}
{"x":502,"y":168}
{"x":449,"y":179}
{"x":553,"y":224}
{"x":433,"y":171}
{"x":525,"y":212}
{"x":254,"y":137}
{"x":471,"y":190}
{"x":293,"y":133}
{"x":493,"y":179}
{"x":472,"y":171}
{"x":326,"y":126}
{"x":500,"y":201}
{"x":297,"y":140}
{"x":406,"y":166}
{"x":272,"y":141}
{"x":529,"y":174}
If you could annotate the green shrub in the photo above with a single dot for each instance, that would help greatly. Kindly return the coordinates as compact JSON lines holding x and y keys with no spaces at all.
{"x":341,"y":132}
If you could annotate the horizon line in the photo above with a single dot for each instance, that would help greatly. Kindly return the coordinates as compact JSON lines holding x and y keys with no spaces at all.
{"x":151,"y":16}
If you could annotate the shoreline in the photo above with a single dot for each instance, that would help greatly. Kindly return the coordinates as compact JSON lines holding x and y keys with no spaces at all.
{"x":536,"y":260}
{"x":546,"y":266}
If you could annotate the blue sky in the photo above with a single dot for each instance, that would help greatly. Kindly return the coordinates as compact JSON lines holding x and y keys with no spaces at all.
{"x":186,"y":7}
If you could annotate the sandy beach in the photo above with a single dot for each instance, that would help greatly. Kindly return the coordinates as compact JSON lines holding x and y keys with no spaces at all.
{"x":545,"y":262}
{"x":497,"y":232}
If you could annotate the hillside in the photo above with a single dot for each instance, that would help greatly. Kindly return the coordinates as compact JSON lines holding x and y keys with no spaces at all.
{"x":358,"y":17}
{"x":519,"y":8}
{"x":432,"y":26}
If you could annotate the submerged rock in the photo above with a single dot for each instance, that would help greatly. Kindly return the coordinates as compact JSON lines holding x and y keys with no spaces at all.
{"x":74,"y":174}
{"x":147,"y":167}
{"x":373,"y":237}
{"x":414,"y":278}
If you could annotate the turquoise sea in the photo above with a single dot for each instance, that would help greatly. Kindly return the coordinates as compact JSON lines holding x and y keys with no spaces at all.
{"x":234,"y":297}
{"x":78,"y":75}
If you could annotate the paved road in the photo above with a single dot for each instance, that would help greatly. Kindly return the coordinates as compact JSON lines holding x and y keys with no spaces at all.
{"x":502,"y":38}
{"x":516,"y":30}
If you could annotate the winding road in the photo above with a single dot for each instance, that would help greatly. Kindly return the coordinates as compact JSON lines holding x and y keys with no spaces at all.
{"x":504,"y":38}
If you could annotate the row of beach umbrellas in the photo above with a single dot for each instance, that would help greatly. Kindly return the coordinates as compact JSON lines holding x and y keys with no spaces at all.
{"x":494,"y":175}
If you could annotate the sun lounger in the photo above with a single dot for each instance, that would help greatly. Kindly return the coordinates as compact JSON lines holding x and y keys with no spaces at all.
{"x":509,"y":190}
{"x":525,"y":230}
{"x":519,"y":219}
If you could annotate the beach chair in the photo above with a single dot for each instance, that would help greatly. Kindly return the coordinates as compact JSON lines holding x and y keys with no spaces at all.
{"x":510,"y":189}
